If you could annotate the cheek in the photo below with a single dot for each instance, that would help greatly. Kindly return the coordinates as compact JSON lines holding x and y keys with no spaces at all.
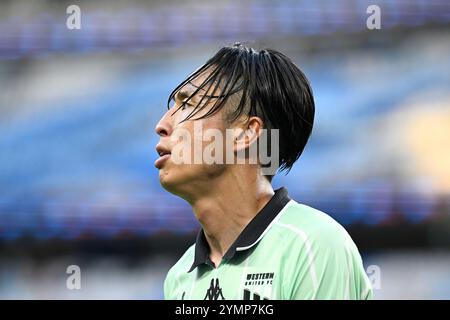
{"x":198,"y":136}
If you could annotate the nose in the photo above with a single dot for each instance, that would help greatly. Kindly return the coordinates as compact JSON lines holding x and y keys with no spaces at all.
{"x":164,"y":127}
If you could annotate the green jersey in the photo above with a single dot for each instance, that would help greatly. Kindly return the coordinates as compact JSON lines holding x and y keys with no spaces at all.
{"x":288,"y":251}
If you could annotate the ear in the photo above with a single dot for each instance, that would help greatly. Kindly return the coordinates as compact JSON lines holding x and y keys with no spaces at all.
{"x":248,"y":133}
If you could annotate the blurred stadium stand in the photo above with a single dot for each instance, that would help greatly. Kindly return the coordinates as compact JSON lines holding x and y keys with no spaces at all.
{"x":78,"y":108}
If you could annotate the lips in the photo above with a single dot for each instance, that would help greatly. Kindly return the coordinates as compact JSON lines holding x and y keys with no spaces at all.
{"x":164,"y":155}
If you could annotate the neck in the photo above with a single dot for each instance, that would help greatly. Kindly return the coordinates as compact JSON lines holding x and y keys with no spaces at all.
{"x":228,"y":206}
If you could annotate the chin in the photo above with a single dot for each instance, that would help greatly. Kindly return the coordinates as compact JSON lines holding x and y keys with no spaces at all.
{"x":174,"y":182}
{"x":164,"y":179}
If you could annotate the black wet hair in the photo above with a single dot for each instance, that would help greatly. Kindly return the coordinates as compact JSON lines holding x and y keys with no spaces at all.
{"x":269,"y":85}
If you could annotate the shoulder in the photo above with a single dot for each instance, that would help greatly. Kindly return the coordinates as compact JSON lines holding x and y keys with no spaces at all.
{"x":180,"y":267}
{"x":320,"y":255}
{"x":303,"y":224}
{"x":183,"y":264}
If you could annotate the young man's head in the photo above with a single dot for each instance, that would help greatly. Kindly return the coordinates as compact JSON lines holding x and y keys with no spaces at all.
{"x":239,"y":101}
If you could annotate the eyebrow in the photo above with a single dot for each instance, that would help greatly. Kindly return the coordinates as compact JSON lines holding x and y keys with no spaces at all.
{"x":206,"y":95}
{"x":183,"y":93}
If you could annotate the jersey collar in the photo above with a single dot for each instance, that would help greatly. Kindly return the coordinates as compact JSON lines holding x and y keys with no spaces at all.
{"x":251,"y":234}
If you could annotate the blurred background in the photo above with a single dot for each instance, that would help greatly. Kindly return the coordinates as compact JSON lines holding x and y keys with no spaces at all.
{"x":78,"y":110}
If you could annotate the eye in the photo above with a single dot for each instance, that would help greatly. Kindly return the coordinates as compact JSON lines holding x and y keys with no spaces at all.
{"x":185,"y":105}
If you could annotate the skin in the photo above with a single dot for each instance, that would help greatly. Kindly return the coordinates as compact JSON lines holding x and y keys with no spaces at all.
{"x":224,"y":197}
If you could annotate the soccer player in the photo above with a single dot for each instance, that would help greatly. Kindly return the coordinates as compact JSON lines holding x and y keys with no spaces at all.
{"x":255,"y":243}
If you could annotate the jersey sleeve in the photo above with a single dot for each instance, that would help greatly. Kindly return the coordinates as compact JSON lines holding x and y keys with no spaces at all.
{"x":168,"y":286}
{"x":327,"y":265}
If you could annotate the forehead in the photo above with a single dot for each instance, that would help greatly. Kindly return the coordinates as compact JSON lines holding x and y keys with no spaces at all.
{"x":200,"y":82}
